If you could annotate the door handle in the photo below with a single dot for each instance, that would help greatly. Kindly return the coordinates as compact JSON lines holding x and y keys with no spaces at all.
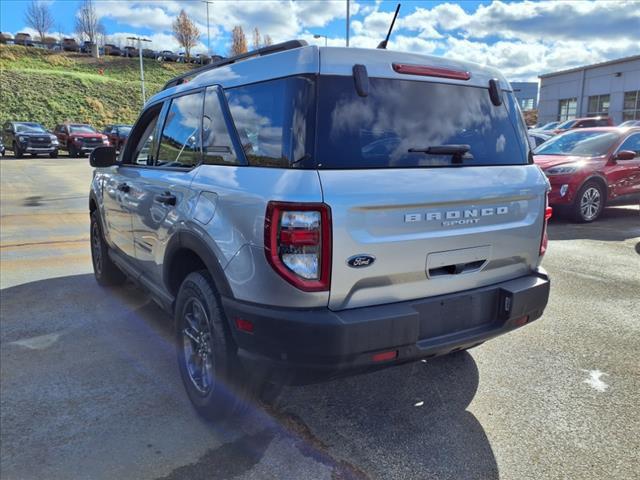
{"x":166,"y":198}
{"x":123,"y":187}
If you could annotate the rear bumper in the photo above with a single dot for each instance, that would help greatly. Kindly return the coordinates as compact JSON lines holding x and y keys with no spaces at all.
{"x":321,"y":339}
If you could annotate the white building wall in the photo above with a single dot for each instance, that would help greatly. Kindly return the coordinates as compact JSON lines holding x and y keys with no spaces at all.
{"x":581,"y":84}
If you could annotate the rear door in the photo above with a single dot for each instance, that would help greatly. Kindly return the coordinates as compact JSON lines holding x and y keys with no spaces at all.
{"x":426,"y":224}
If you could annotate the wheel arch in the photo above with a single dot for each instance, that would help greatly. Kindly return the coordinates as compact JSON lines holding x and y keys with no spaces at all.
{"x":600,"y":180}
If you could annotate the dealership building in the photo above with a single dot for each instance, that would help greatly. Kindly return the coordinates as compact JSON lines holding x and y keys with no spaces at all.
{"x":526,"y":93}
{"x":608,"y":89}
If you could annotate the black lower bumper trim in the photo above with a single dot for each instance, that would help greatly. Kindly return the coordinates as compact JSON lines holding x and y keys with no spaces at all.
{"x":335,"y":340}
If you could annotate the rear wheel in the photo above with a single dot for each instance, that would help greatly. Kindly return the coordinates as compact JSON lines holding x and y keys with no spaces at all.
{"x":589,"y":202}
{"x":105,"y":271}
{"x":210,"y":370}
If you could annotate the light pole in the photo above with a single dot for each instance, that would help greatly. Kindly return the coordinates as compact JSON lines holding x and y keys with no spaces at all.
{"x":208,"y":31}
{"x":321,"y":36}
{"x":347,"y":23}
{"x":140,"y":40}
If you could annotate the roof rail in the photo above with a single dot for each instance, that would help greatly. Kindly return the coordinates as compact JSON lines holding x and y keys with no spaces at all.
{"x":278,"y":47}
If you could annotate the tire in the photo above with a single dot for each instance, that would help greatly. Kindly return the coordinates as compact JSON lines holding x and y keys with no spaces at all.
{"x":106,"y":272}
{"x":211,"y":372}
{"x":73,"y":153}
{"x":17,"y":152}
{"x":589,"y":203}
{"x":54,"y":154}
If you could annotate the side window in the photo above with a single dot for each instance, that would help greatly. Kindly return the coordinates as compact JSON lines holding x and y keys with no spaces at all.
{"x":632,"y":143}
{"x":275,"y":121}
{"x":216,"y":142}
{"x":140,"y":151}
{"x":180,"y":140}
{"x":107,"y":130}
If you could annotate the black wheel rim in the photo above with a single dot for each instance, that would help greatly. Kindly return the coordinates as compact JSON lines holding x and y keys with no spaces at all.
{"x":96,"y":248}
{"x":197,"y":346}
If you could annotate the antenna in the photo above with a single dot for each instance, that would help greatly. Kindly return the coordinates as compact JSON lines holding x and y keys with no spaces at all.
{"x":383,"y":43}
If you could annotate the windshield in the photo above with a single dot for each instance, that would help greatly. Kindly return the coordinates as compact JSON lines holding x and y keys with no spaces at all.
{"x":29,"y":128}
{"x":579,"y":143}
{"x":377,"y":131}
{"x":82,"y":129}
{"x":124,"y":130}
{"x":567,"y":124}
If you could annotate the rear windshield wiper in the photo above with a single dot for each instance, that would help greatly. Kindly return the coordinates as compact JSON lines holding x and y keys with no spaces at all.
{"x":458,"y":152}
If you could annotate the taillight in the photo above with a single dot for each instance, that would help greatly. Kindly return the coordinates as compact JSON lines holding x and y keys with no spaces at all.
{"x":297,"y":239}
{"x":548,"y":212}
{"x":427,"y":71}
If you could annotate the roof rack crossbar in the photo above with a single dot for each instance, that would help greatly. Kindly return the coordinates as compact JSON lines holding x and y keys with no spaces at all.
{"x":260,"y":52}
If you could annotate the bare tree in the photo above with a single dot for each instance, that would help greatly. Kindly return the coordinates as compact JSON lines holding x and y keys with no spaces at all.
{"x":88,"y":23}
{"x":238,"y":41}
{"x":186,"y":32}
{"x":256,"y":38}
{"x":38,"y":16}
{"x":267,"y":40}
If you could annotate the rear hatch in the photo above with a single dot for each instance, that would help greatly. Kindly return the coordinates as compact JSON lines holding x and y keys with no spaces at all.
{"x":424,"y":224}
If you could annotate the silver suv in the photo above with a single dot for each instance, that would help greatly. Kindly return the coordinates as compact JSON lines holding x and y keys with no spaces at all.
{"x":302,"y":209}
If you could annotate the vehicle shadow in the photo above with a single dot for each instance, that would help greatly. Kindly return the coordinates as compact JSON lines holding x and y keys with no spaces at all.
{"x":615,"y":224}
{"x":90,"y":388}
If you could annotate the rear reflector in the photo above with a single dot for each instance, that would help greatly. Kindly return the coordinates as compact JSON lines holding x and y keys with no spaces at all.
{"x":548,"y":212}
{"x":385,"y":356}
{"x":244,"y":325}
{"x":426,"y":71}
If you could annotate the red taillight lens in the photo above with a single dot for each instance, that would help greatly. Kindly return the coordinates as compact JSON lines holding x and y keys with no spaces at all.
{"x":427,"y":71}
{"x":548,"y":212}
{"x":298,"y":243}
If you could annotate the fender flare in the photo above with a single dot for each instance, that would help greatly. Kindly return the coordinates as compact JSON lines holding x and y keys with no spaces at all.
{"x":187,"y":240}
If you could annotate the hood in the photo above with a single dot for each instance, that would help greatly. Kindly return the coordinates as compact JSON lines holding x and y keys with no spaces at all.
{"x":35,"y":134}
{"x":88,"y":135}
{"x":547,"y":161}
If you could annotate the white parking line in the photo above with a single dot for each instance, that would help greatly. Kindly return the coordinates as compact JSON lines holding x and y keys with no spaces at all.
{"x":594,"y":380}
{"x":38,"y":343}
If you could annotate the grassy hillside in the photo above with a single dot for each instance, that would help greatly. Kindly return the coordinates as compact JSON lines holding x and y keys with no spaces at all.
{"x":52,"y":87}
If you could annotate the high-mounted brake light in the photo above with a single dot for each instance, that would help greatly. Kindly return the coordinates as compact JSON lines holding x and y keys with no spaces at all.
{"x":427,"y":71}
{"x":548,"y":212}
{"x":297,"y":240}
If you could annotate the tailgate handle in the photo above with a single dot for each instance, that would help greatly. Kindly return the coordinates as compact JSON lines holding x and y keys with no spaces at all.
{"x":457,"y":268}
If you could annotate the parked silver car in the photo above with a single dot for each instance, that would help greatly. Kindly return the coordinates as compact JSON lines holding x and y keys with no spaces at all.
{"x":303,"y":209}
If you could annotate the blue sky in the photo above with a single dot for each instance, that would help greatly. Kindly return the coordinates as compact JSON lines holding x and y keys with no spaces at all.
{"x":522,"y":38}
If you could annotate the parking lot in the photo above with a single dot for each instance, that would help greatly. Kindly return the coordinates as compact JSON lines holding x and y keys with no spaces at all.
{"x":90,"y":386}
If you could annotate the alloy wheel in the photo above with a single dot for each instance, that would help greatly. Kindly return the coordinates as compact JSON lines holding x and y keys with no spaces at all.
{"x":198,"y":346}
{"x":590,"y":203}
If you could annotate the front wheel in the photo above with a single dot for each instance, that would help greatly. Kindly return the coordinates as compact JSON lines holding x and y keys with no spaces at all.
{"x":589,"y":203}
{"x":105,"y":271}
{"x":17,"y":151}
{"x":54,"y":154}
{"x":211,"y":373}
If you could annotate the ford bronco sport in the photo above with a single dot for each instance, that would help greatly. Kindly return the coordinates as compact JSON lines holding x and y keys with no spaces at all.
{"x":305,"y":209}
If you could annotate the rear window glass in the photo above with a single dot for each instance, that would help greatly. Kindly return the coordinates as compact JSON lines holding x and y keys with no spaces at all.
{"x":580,"y":143}
{"x":377,"y":131}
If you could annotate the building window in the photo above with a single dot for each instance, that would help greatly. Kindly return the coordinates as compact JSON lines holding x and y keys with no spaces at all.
{"x":526,"y":103}
{"x":598,"y":105}
{"x":567,"y":108}
{"x":631,"y":108}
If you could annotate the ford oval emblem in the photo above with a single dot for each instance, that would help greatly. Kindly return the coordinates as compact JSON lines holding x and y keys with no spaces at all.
{"x":360,"y":261}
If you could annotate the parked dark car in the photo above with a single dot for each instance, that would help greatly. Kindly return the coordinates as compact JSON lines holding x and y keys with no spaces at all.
{"x":29,"y":137}
{"x":148,"y":53}
{"x":23,"y":39}
{"x":6,"y":37}
{"x":79,"y":138}
{"x":117,"y":135}
{"x":167,"y":56}
{"x":201,"y":59}
{"x":70,"y":45}
{"x":590,"y":169}
{"x":129,"y":51}
{"x":113,"y":50}
{"x":87,"y":47}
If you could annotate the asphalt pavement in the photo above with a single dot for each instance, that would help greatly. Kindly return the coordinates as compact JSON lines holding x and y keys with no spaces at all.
{"x":89,"y":386}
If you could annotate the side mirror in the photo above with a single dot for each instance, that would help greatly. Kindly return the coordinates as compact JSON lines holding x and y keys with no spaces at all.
{"x":102,"y":157}
{"x":625,"y":155}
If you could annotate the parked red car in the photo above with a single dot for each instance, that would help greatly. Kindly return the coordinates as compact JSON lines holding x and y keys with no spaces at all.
{"x":591,"y":168}
{"x":79,"y":139}
{"x":117,"y":135}
{"x":586,"y":122}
